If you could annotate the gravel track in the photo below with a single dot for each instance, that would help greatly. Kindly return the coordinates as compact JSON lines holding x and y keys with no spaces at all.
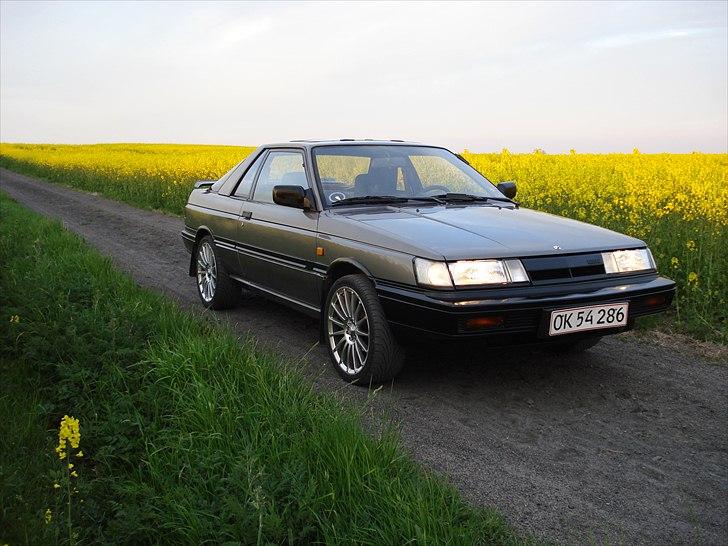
{"x":626,"y":443}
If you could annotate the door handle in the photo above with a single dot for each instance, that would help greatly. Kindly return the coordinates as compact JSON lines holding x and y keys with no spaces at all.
{"x":246,"y":215}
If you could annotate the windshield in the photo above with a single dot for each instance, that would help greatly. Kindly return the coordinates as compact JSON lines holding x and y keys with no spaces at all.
{"x":399,"y":171}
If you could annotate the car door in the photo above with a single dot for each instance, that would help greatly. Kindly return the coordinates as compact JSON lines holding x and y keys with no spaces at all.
{"x":225,"y":223}
{"x":221,"y":215}
{"x":278,"y":243}
{"x":239,"y":198}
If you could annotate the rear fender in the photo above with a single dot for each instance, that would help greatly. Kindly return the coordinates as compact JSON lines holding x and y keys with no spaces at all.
{"x":201,"y":232}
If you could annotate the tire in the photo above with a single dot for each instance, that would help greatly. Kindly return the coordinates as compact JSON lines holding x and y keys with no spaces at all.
{"x":214,"y":286}
{"x":361,"y":345}
{"x":573,"y":347}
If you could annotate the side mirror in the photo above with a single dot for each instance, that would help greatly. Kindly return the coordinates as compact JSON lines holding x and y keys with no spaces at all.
{"x":204,"y":184}
{"x":291,"y":196}
{"x":508,"y":189}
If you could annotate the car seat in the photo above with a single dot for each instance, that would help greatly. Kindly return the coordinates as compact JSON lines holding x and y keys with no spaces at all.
{"x":378,"y":181}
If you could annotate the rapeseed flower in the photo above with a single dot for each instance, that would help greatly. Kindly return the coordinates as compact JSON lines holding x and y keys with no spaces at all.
{"x":68,"y":433}
{"x":69,"y":437}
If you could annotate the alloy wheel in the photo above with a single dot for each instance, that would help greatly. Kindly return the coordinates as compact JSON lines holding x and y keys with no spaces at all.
{"x":206,"y":272}
{"x":348,"y":330}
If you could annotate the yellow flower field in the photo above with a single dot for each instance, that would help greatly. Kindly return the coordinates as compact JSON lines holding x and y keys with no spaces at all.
{"x":677,"y":203}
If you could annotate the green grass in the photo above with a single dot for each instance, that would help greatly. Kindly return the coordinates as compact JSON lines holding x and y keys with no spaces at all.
{"x":189,"y":437}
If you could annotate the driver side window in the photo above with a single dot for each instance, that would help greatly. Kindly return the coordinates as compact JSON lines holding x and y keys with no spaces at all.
{"x":280,"y":168}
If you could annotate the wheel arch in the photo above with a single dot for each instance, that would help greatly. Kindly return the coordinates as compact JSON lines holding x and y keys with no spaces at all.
{"x":202,"y":231}
{"x":340,"y":268}
{"x":337,"y":269}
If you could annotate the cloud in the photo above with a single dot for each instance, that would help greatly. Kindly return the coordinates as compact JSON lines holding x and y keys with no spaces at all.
{"x":626,"y":40}
{"x":244,"y":29}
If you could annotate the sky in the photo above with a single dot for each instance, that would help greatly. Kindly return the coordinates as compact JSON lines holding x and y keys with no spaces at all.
{"x":595,"y":77}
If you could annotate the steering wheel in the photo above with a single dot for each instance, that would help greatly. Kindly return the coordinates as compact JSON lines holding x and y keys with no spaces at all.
{"x":437,"y":189}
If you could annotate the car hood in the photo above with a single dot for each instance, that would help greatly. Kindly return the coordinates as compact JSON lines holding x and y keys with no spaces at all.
{"x":479,"y":231}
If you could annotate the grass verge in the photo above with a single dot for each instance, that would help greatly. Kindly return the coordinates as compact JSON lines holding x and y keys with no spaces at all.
{"x":188,"y":436}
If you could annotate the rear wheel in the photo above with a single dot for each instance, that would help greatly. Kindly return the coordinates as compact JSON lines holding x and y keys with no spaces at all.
{"x":214,"y":286}
{"x":361,"y":345}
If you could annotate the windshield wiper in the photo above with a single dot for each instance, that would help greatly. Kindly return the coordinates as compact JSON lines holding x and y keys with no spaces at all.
{"x":429,"y":199}
{"x":441,"y":199}
{"x":370,"y":199}
{"x":467,"y":197}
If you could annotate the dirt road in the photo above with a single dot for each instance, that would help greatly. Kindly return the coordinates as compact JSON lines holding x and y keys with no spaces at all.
{"x":626,"y":443}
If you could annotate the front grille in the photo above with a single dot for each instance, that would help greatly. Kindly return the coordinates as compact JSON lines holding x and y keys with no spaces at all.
{"x":550,"y":274}
{"x":564,"y":268}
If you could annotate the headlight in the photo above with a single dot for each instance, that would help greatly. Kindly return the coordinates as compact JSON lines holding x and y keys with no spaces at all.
{"x":433,"y":274}
{"x":469,"y":272}
{"x":623,"y":261}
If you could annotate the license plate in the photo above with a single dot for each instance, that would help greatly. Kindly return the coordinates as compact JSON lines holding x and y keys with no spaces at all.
{"x":593,"y":317}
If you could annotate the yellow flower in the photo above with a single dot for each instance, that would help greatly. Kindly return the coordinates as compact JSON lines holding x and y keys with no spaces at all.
{"x":14,"y":319}
{"x":79,"y":454}
{"x":56,"y":486}
{"x":74,"y":474}
{"x":68,"y":433}
{"x":675,"y":262}
{"x":48,"y":516}
{"x":690,"y":244}
{"x":692,"y":277}
{"x":70,"y":466}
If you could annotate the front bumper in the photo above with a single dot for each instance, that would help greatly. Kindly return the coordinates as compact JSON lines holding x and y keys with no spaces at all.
{"x":517,"y":315}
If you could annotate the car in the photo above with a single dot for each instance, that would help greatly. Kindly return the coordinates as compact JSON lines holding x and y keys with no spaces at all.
{"x":385,"y":242}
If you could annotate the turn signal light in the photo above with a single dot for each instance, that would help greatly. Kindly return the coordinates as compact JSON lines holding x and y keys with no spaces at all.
{"x":480,"y":323}
{"x":655,"y":300}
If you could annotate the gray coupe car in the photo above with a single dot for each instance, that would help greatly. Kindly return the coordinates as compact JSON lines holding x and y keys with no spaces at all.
{"x":387,"y":240}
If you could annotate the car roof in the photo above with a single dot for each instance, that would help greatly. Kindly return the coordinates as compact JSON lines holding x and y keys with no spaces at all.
{"x":343,"y":142}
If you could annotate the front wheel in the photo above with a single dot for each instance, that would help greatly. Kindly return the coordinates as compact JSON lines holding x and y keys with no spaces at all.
{"x":361,"y":345}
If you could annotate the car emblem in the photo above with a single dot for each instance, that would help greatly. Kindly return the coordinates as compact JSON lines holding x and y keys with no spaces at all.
{"x":556,"y":247}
